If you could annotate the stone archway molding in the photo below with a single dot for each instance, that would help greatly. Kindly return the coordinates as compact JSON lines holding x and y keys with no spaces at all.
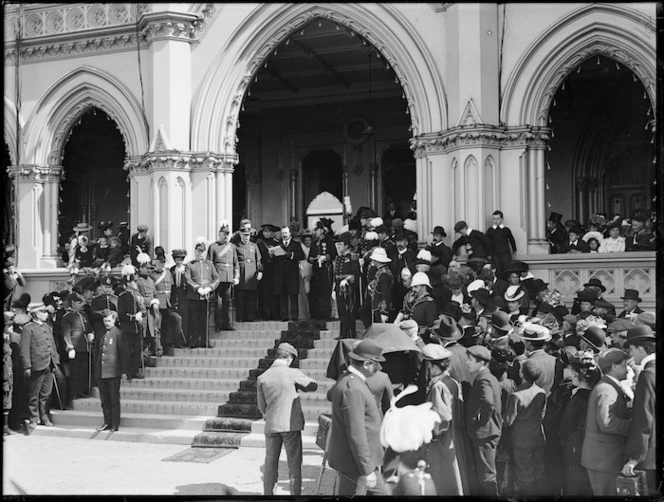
{"x":615,"y":31}
{"x":10,"y":127}
{"x":227,"y":82}
{"x":62,"y":105}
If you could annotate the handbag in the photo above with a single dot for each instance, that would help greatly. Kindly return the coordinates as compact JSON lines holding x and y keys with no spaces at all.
{"x":632,"y":486}
{"x":324,"y":423}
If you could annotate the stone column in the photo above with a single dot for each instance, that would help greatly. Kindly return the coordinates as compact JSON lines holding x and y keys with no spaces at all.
{"x":51,"y":185}
{"x":537,"y":139}
{"x":30,"y":212}
{"x":373,"y":186}
{"x":292,"y":194}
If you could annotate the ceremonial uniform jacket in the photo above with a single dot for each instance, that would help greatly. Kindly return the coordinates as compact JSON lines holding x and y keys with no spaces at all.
{"x":607,"y":426}
{"x":163,"y":288}
{"x":250,"y":261}
{"x":346,"y":266}
{"x":200,"y":274}
{"x":277,"y":397}
{"x":322,"y":278}
{"x":146,"y":289}
{"x":441,"y":253}
{"x":74,"y":327}
{"x":380,"y":291}
{"x":354,"y":445}
{"x":286,"y":276}
{"x":224,"y":258}
{"x":112,"y":355}
{"x":180,"y":284}
{"x":38,"y":347}
{"x":523,"y":414}
{"x":643,"y":430}
{"x":98,"y":304}
{"x":137,"y":244}
{"x":423,"y":311}
{"x":484,"y":418}
{"x":130,"y":303}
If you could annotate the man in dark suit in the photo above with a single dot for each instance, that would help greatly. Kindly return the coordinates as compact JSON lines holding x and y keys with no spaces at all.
{"x":251,"y":273}
{"x":179,"y":296}
{"x":607,"y":424}
{"x":642,"y":438}
{"x":556,"y":233}
{"x":631,"y":302}
{"x":111,"y":362}
{"x":441,"y":253}
{"x":279,"y":403}
{"x":355,"y":451}
{"x":286,"y":279}
{"x":575,"y":244}
{"x":264,"y":242}
{"x":131,"y":311}
{"x":346,"y":285}
{"x":401,"y":257}
{"x":484,"y":419}
{"x":503,"y":245}
{"x":476,"y":242}
{"x":321,"y":257}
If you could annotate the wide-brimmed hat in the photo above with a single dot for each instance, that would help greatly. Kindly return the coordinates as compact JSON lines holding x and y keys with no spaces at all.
{"x":538,"y":285}
{"x":367,"y":350}
{"x":596,"y":283}
{"x":420,"y":279}
{"x":435,"y":352}
{"x":439,"y":230}
{"x":639,"y":334}
{"x":82,"y":227}
{"x":534,"y":332}
{"x":501,"y":320}
{"x":380,"y":255}
{"x":514,"y":293}
{"x":594,"y":336}
{"x":447,"y":328}
{"x":631,"y":294}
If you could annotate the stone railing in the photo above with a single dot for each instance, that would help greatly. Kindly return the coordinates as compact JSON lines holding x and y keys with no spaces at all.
{"x":618,"y":271}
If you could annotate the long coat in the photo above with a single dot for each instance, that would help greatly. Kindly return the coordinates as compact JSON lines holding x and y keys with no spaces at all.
{"x":200,"y":274}
{"x":322,"y":277}
{"x":112,"y":355}
{"x":38,"y":347}
{"x":607,"y":426}
{"x":572,"y":431}
{"x":163,"y":288}
{"x":130,"y":303}
{"x":354,"y":444}
{"x":448,"y":453}
{"x":643,"y":431}
{"x":250,"y":261}
{"x":523,"y":414}
{"x":286,"y":276}
{"x":224,"y":258}
{"x":484,"y":419}
{"x":74,"y":326}
{"x":552,"y":371}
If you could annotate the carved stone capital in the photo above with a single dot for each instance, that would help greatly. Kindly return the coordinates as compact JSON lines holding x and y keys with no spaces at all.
{"x":174,"y":160}
{"x":178,"y":26}
{"x":30,"y":173}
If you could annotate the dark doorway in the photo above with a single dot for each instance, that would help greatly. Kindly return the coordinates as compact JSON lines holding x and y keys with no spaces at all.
{"x":8,"y":219}
{"x":398,"y":172}
{"x":95,"y":187}
{"x":239,"y":194}
{"x":321,"y":172}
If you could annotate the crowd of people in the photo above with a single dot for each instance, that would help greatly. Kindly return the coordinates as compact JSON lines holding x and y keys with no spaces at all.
{"x":532,"y":397}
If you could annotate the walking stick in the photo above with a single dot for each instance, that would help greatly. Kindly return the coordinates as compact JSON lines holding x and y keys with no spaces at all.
{"x":57,"y":389}
{"x":89,"y":368}
{"x":207,"y":321}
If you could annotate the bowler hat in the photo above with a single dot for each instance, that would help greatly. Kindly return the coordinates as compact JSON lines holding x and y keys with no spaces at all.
{"x":452,"y":309}
{"x":639,"y":334}
{"x":596,"y":283}
{"x":380,"y":255}
{"x":586,"y":296}
{"x":501,"y":320}
{"x":483,"y":296}
{"x":556,"y":217}
{"x":142,"y":227}
{"x":288,"y":348}
{"x":435,"y":352}
{"x":631,"y":294}
{"x":447,"y":328}
{"x":479,"y":352}
{"x":439,"y":230}
{"x":367,"y":350}
{"x":594,"y":336}
{"x":602,"y":303}
{"x":459,"y":225}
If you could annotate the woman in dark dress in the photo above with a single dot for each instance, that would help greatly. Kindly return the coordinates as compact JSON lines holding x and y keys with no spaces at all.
{"x":585,"y":374}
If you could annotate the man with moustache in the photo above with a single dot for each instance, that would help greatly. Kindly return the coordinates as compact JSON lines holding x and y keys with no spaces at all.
{"x":179,"y":299}
{"x":171,"y":321}
{"x":251,"y":273}
{"x":286,"y":279}
{"x":224,"y":257}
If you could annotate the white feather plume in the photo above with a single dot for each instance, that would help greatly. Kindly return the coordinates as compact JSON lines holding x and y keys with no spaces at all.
{"x":347,"y":205}
{"x":143,"y":258}
{"x":376,"y":222}
{"x":200,"y":239}
{"x":371,"y":236}
{"x":410,"y":225}
{"x":424,"y":255}
{"x":128,"y":269}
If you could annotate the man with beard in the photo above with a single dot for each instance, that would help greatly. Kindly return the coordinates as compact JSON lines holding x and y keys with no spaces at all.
{"x":286,"y":279}
{"x":321,"y":256}
{"x":264,"y":289}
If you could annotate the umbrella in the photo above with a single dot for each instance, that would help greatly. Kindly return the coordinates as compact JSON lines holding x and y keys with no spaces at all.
{"x":391,"y":338}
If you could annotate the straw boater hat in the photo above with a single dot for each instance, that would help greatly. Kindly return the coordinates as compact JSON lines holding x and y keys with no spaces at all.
{"x":82,"y":227}
{"x":380,"y":255}
{"x":514,"y":293}
{"x":534,"y":332}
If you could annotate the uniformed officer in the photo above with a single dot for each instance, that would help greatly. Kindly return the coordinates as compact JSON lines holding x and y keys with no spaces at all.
{"x":203,"y":280}
{"x":223,"y":256}
{"x":105,"y":299}
{"x":346,"y":281}
{"x":171,"y":321}
{"x":78,"y":334}
{"x":131,"y":311}
{"x":265,"y":242}
{"x":112,"y":361}
{"x":179,"y":298}
{"x":40,"y":357}
{"x":140,"y":242}
{"x":152,"y":321}
{"x":321,"y":255}
{"x":378,"y":299}
{"x":251,"y":272}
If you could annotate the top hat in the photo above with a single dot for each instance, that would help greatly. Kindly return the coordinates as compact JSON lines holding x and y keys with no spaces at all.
{"x":639,"y":334}
{"x":631,"y":294}
{"x":435,"y":352}
{"x":447,"y":328}
{"x":380,"y":255}
{"x":576,"y":230}
{"x":452,"y":309}
{"x":459,"y":225}
{"x":556,"y":217}
{"x":439,"y":230}
{"x":538,"y":285}
{"x":501,"y":320}
{"x":82,"y":227}
{"x":367,"y":350}
{"x":596,"y":283}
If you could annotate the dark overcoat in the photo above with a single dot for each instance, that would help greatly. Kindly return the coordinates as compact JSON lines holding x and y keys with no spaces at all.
{"x":286,"y":275}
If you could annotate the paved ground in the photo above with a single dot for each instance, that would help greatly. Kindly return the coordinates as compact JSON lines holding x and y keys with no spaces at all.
{"x":73,"y":466}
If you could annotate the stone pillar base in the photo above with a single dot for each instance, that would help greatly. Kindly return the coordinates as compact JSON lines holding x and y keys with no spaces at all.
{"x":50,"y":261}
{"x":538,"y":246}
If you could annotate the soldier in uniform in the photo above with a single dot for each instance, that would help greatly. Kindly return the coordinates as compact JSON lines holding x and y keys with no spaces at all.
{"x":179,"y":300}
{"x":346,"y":283}
{"x":105,"y":299}
{"x":224,"y":257}
{"x":203,"y":280}
{"x":171,"y":321}
{"x":131,"y":310}
{"x":140,"y":242}
{"x":152,"y":321}
{"x":378,"y":300}
{"x":265,"y":286}
{"x":321,"y":256}
{"x":251,"y":273}
{"x":77,"y":332}
{"x":40,"y":357}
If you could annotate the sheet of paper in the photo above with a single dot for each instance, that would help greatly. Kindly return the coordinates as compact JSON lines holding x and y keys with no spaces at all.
{"x":277,"y":251}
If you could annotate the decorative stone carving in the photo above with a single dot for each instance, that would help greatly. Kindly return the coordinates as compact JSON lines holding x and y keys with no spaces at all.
{"x":168,"y":26}
{"x":607,"y":277}
{"x":32,"y":173}
{"x":567,"y":282}
{"x":470,"y":116}
{"x":638,"y":279}
{"x":180,"y":161}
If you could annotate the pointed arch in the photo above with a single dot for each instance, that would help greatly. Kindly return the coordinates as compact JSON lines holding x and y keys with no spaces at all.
{"x":67,"y":100}
{"x":10,"y":127}
{"x":217,"y":105}
{"x":616,"y":31}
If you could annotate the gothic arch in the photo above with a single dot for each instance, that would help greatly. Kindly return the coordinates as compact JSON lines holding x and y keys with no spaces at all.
{"x":70,"y":97}
{"x":618,"y":32}
{"x":10,"y":127}
{"x":226,"y":83}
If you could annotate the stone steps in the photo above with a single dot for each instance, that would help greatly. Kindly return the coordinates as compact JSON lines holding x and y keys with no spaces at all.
{"x":192,"y":408}
{"x":176,"y":395}
{"x":93,"y":419}
{"x":181,"y":383}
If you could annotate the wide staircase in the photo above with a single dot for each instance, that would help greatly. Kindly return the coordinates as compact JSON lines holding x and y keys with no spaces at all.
{"x":207,"y":397}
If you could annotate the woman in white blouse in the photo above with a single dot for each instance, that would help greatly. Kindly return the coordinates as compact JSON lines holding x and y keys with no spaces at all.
{"x":614,"y":243}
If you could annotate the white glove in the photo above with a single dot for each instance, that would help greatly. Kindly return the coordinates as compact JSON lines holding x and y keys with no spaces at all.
{"x":343,"y":284}
{"x":139,"y":316}
{"x":383,"y":318}
{"x":71,"y":354}
{"x":259,"y":276}
{"x":206,"y":291}
{"x":155,"y":301}
{"x":201,"y":291}
{"x":90,"y":337}
{"x":372,"y":480}
{"x":236,"y":282}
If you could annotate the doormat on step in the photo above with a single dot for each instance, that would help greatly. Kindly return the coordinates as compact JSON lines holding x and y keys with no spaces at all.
{"x":199,"y":455}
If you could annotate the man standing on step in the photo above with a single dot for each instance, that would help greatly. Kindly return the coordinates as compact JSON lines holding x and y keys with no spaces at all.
{"x":286,"y":278}
{"x":111,"y":362}
{"x":251,"y":272}
{"x":131,"y":310}
{"x":280,"y":405}
{"x":346,"y":281}
{"x":203,"y":280}
{"x":171,"y":321}
{"x":224,"y":257}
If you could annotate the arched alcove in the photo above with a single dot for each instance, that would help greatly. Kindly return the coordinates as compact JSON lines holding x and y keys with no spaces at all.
{"x":398,"y":178}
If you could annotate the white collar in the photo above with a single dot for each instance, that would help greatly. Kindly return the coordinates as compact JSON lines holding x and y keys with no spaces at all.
{"x":499,"y":226}
{"x":468,"y":232}
{"x":647,"y":359}
{"x":614,"y":379}
{"x":402,"y":252}
{"x":356,"y":372}
{"x":280,"y":362}
{"x":286,"y":242}
{"x":572,"y":243}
